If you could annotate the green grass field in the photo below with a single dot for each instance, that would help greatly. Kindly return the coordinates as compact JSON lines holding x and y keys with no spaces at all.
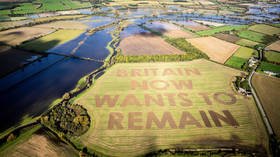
{"x":247,"y":43}
{"x":137,"y":108}
{"x":52,"y":40}
{"x":265,"y":29}
{"x":236,"y":62}
{"x":244,"y":52}
{"x":257,"y":37}
{"x":221,"y":29}
{"x":269,"y":67}
{"x":39,"y":6}
{"x":272,"y":56}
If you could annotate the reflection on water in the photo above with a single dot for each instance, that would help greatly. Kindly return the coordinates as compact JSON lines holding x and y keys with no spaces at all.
{"x":36,"y":86}
{"x":31,"y":90}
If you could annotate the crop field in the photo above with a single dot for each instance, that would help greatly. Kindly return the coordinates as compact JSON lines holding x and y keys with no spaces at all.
{"x":268,"y":89}
{"x":221,"y":29}
{"x":168,"y":105}
{"x":247,"y":43}
{"x":146,"y":44}
{"x":240,"y":57}
{"x":52,"y":40}
{"x":274,"y":46}
{"x":38,"y":6}
{"x":227,"y":37}
{"x":265,"y":29}
{"x":265,"y":66}
{"x":236,"y":62}
{"x":244,"y":52}
{"x":169,"y":29}
{"x":272,"y":56}
{"x":191,"y":25}
{"x":17,"y":36}
{"x":40,"y":143}
{"x":64,"y":25}
{"x":218,"y":50}
{"x":12,"y":24}
{"x":255,"y":36}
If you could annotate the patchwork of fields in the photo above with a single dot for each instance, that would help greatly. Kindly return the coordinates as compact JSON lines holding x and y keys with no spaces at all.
{"x":166,"y":86}
{"x":168,"y":105}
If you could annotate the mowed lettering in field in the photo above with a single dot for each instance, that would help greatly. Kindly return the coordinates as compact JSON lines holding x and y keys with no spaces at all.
{"x":135,"y":107}
{"x":135,"y":120}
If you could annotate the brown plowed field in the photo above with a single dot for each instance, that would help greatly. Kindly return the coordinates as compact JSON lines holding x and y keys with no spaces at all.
{"x":227,"y":37}
{"x":274,"y":46}
{"x":146,"y":44}
{"x":267,"y":89}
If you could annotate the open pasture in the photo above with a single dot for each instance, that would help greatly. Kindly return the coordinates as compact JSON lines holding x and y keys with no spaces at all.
{"x":274,"y":46}
{"x":272,"y":56}
{"x":265,"y":29}
{"x":265,"y":66}
{"x":169,"y":29}
{"x":247,"y":43}
{"x":138,"y":108}
{"x":218,"y":50}
{"x":240,"y":57}
{"x":146,"y":44}
{"x":17,"y":36}
{"x":267,"y":89}
{"x":64,"y":25}
{"x":51,"y":40}
{"x":39,"y":6}
{"x":221,"y":29}
{"x":256,"y":37}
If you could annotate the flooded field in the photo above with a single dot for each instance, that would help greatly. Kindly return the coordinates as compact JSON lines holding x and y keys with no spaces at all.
{"x":60,"y":71}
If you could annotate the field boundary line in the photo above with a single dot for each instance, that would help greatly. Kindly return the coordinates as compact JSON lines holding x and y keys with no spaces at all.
{"x":260,"y":107}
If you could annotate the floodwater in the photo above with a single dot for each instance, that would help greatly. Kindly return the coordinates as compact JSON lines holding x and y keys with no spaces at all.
{"x":29,"y":92}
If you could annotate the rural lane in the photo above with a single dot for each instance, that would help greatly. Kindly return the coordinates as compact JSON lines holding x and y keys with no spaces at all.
{"x":263,"y":114}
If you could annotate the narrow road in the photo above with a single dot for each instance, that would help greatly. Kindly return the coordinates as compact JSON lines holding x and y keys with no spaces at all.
{"x":259,"y":105}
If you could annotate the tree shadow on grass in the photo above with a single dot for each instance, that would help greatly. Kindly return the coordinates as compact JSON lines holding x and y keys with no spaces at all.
{"x":39,"y":45}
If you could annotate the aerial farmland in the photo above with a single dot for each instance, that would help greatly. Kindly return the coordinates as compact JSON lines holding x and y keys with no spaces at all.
{"x":123,"y":78}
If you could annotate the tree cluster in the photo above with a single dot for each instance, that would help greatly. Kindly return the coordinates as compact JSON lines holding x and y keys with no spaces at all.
{"x":70,"y":119}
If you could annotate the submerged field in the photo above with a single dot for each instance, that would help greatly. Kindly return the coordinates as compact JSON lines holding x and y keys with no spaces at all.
{"x":169,"y":105}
